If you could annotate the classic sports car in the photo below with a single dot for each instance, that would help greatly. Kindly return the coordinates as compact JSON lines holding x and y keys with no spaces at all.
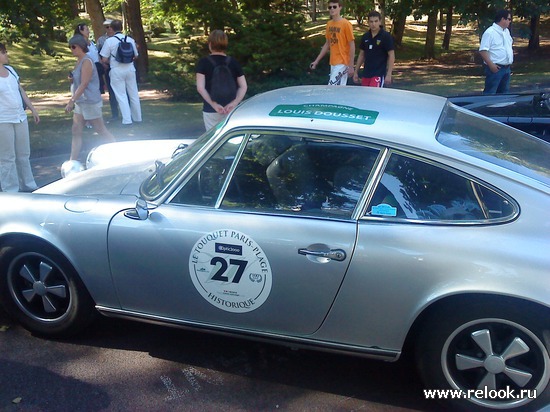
{"x":529,"y":111}
{"x":368,"y":221}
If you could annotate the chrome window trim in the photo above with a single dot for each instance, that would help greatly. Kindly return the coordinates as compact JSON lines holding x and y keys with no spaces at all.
{"x":302,"y":134}
{"x":197,"y":162}
{"x":477,"y":222}
{"x":168,"y":191}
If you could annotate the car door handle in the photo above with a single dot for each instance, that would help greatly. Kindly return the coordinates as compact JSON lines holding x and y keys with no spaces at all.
{"x":332,"y":254}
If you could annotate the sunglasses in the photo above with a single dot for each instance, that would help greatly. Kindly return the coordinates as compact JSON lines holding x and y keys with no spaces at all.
{"x":107,"y":27}
{"x":332,"y":7}
{"x":73,"y":46}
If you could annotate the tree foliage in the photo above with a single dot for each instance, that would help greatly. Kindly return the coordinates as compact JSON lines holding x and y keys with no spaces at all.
{"x":37,"y":20}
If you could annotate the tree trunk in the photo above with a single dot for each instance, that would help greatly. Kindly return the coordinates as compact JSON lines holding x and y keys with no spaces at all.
{"x":534,"y":38}
{"x":313,"y":6}
{"x":448,"y":29}
{"x":429,"y":46}
{"x":73,"y":5}
{"x":382,"y":7}
{"x":95,"y":11}
{"x":135,"y":26}
{"x":398,"y":29}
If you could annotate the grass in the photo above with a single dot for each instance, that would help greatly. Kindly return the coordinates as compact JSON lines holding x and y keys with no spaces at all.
{"x":456,"y":71}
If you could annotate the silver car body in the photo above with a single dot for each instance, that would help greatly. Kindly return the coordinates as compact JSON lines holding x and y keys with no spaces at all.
{"x":380,"y":273}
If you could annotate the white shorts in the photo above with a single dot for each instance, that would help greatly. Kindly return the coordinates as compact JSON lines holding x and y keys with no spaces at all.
{"x":89,"y":111}
{"x":338,"y":75}
{"x":212,"y":119}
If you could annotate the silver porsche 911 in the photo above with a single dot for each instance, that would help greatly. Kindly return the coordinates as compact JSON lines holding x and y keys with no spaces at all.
{"x":368,"y":221}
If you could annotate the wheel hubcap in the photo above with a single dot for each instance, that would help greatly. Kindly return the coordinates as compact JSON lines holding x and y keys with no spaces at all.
{"x":495,"y":355}
{"x":39,"y":287}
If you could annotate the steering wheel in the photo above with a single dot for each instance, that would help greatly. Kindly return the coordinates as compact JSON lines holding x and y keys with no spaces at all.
{"x":210,"y":178}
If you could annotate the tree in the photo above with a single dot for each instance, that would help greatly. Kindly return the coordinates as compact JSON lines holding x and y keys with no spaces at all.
{"x":95,"y":11}
{"x":448,"y":28}
{"x":132,"y":15}
{"x":36,"y":20}
{"x":429,"y":45}
{"x":532,"y":9}
{"x":398,"y":11}
{"x":480,"y":11}
{"x":359,"y":9}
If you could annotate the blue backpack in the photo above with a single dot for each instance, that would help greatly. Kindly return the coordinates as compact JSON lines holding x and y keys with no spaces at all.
{"x":125,"y":51}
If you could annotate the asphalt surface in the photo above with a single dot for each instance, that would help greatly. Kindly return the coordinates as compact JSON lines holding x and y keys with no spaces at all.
{"x":48,"y":169}
{"x":126,"y":366}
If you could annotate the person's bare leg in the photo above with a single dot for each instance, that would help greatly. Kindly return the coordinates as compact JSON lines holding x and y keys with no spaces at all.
{"x":76,"y":145}
{"x":102,"y":130}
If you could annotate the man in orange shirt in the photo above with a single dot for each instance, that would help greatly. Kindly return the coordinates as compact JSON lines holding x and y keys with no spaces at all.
{"x":341,"y":43}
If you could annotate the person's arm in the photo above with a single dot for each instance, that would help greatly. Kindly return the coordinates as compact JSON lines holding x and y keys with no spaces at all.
{"x":201,"y":88}
{"x":322,"y":53}
{"x":487,"y":59}
{"x":136,"y":49}
{"x":29,"y":104}
{"x":390,"y":63}
{"x":86,"y":72}
{"x":242,"y":87}
{"x":105,"y":53}
{"x":351,"y":57}
{"x":358,"y":64}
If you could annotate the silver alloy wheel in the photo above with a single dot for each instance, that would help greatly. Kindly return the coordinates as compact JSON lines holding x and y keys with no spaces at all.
{"x":496,"y":357}
{"x":39,"y":287}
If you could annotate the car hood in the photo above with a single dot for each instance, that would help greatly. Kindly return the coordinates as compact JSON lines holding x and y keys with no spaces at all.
{"x":115,"y":180}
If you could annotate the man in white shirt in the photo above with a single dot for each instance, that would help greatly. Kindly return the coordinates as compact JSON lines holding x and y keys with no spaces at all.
{"x":122,"y":75}
{"x":497,"y":54}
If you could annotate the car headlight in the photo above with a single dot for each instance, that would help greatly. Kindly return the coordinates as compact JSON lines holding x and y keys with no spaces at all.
{"x":70,"y":167}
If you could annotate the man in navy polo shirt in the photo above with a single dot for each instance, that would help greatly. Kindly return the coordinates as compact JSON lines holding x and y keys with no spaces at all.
{"x":377,"y":52}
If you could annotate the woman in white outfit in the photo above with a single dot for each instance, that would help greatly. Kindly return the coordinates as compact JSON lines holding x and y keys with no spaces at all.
{"x":15,"y":167}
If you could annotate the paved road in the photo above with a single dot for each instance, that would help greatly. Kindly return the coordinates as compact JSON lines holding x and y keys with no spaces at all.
{"x":47,"y":169}
{"x":126,"y":366}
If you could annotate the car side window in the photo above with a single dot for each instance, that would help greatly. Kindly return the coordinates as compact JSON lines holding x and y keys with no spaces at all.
{"x":416,"y":190}
{"x":203,"y":189}
{"x":292,"y":175}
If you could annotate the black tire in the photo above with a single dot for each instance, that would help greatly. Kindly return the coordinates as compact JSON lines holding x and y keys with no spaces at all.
{"x":41,"y":290}
{"x":492,"y":348}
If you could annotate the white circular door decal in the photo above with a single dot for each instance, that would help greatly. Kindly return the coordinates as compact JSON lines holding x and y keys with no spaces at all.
{"x":230,"y":271}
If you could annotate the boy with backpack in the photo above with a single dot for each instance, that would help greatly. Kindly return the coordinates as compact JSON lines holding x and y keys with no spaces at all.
{"x":220,"y":81}
{"x":120,"y":51}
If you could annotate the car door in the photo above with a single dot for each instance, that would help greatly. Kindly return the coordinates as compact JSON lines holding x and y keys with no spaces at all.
{"x":259,"y":237}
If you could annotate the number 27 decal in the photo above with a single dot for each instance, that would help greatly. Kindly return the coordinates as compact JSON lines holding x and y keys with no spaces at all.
{"x":220,"y":274}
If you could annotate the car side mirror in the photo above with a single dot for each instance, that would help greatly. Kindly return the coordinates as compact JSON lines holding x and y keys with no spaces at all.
{"x":139,"y":212}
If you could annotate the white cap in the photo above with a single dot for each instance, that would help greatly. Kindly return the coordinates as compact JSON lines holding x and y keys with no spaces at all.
{"x":107,"y":22}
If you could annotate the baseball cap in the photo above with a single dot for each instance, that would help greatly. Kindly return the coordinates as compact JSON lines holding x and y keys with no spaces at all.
{"x":107,"y":22}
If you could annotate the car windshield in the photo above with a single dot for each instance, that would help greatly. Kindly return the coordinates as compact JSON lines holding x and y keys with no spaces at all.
{"x":165,"y":173}
{"x":496,"y":143}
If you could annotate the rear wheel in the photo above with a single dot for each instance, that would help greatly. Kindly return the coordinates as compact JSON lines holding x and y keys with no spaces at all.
{"x":40,"y":289}
{"x":496,"y":358}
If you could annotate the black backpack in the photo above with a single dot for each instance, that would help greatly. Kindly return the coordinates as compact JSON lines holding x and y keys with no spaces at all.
{"x":223,"y":86}
{"x":125,"y":51}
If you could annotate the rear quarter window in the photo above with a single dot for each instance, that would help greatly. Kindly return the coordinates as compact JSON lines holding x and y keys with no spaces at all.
{"x":414,"y":190}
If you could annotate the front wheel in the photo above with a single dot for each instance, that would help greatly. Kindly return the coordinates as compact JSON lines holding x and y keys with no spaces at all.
{"x":488,"y":357}
{"x":40,"y":289}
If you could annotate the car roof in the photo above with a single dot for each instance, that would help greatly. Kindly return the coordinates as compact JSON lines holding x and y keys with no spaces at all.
{"x":401,"y":116}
